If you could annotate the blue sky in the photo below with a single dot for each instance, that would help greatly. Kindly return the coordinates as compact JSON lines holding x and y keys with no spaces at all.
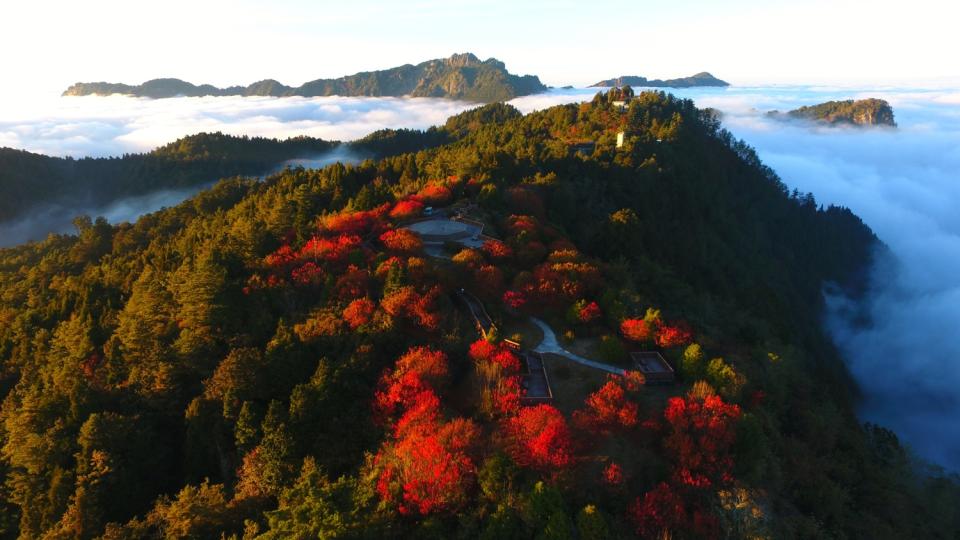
{"x":56,"y":43}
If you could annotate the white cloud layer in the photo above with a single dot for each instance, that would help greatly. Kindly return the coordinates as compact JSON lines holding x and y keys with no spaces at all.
{"x":109,"y":126}
{"x":904,"y":184}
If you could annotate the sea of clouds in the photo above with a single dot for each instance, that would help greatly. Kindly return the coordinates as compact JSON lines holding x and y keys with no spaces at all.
{"x":903,"y":182}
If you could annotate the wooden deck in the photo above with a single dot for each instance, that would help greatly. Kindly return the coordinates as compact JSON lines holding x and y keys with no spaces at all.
{"x":535,"y":380}
{"x":655,"y":369}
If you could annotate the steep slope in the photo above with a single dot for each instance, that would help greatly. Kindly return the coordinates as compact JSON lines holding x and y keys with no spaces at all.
{"x":461,"y":76}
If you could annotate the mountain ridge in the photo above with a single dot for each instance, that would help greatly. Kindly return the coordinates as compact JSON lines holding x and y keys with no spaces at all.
{"x":460,"y":76}
{"x":700,"y":79}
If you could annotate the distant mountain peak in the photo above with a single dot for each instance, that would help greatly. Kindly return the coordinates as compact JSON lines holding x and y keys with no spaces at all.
{"x":463,"y":59}
{"x":700,"y":79}
{"x":461,"y":76}
{"x":861,"y":112}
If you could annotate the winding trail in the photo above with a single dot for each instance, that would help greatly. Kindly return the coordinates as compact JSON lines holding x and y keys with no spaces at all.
{"x":550,"y":345}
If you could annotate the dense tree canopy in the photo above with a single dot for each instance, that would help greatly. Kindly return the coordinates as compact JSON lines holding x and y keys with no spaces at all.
{"x":280,"y":358}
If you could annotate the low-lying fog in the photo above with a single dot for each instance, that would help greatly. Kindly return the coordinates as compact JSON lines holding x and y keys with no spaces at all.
{"x":56,"y":218}
{"x":904,"y":184}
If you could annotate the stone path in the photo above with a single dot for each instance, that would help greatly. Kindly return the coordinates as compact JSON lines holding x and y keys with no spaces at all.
{"x":550,"y":345}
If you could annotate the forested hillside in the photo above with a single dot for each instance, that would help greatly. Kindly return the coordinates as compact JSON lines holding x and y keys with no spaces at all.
{"x":283,"y":359}
{"x":29,"y":180}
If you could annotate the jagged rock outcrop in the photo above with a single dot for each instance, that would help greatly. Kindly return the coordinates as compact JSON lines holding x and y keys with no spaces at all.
{"x":861,"y":112}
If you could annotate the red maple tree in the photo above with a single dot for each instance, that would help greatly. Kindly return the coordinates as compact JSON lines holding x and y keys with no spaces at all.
{"x":540,"y":438}
{"x":396,"y":393}
{"x":658,"y":513}
{"x":421,"y":411}
{"x":609,"y":408}
{"x":589,"y":313}
{"x":613,"y":474}
{"x":497,"y":250}
{"x":506,"y":395}
{"x":674,"y":335}
{"x":702,"y":431}
{"x":429,"y":467}
{"x":353,"y":283}
{"x":355,"y":223}
{"x":307,"y":275}
{"x":637,"y":330}
{"x":329,"y":249}
{"x":515,"y":299}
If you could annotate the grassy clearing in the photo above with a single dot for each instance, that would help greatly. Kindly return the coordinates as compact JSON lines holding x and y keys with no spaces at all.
{"x":571,"y":382}
{"x":530,"y":334}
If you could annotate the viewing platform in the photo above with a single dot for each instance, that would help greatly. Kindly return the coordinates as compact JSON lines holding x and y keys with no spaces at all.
{"x":654,"y":367}
{"x":534,"y":380}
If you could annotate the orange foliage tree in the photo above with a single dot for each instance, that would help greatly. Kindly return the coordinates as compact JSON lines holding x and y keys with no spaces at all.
{"x":637,"y":330}
{"x":674,"y":335}
{"x":320,"y":324}
{"x":402,"y":240}
{"x":406,"y":303}
{"x":429,"y":364}
{"x":359,"y":312}
{"x":611,"y":407}
{"x":329,"y":249}
{"x":435,"y":194}
{"x":406,"y":209}
{"x":497,"y":250}
{"x":355,"y":223}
